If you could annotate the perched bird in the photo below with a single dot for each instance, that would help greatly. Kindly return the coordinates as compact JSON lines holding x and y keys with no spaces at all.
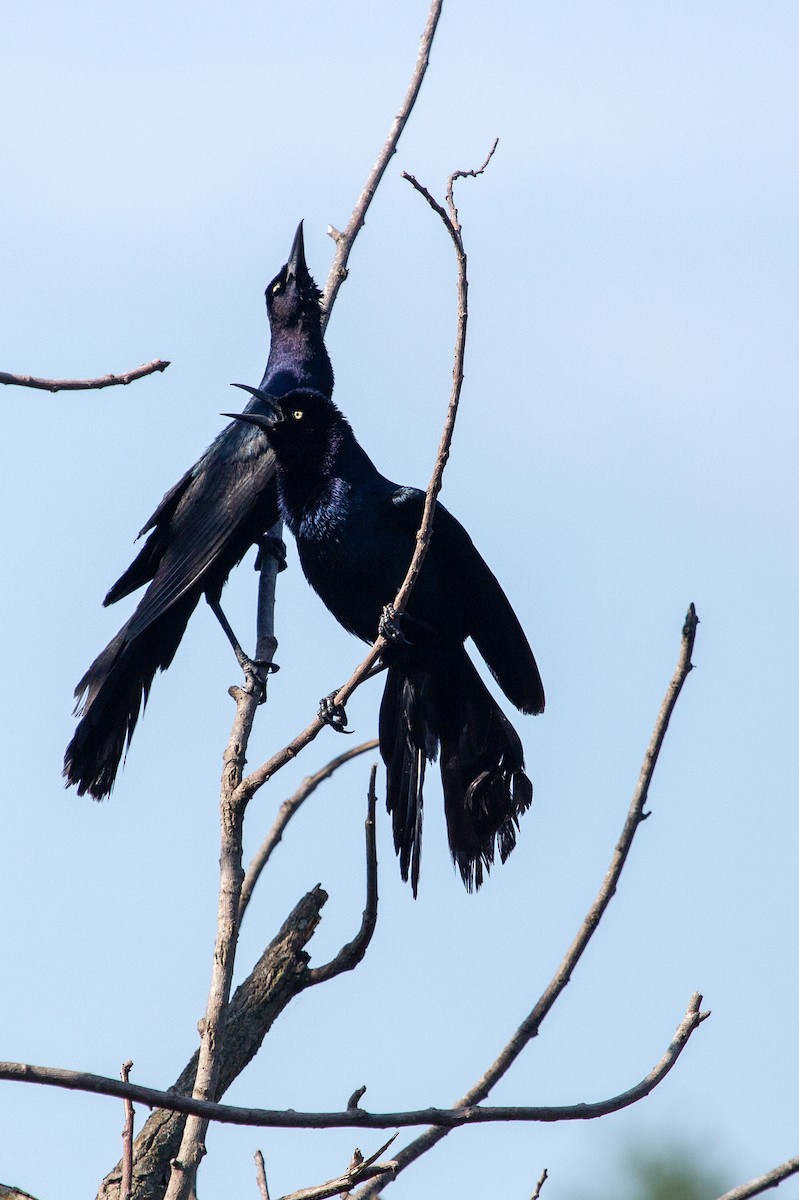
{"x":355,"y":533}
{"x":201,"y":529}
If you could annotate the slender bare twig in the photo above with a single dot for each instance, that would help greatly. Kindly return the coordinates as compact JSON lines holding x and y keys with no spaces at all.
{"x":286,"y":811}
{"x":443,"y":1119}
{"x":260,"y":1174}
{"x":342,"y":1185}
{"x":344,"y":241}
{"x":763,"y":1183}
{"x":350,"y":955}
{"x":127,"y":1139}
{"x":532,"y":1023}
{"x":537,"y":1193}
{"x":81,"y":385}
{"x":360,"y":1169}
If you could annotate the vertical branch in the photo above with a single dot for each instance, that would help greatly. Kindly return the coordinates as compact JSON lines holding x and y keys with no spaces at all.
{"x":127,"y":1140}
{"x":260,"y":1174}
{"x":234,"y":799}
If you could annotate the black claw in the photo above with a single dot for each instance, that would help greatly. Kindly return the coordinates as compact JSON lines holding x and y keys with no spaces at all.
{"x":390,"y":626}
{"x":333,"y":714}
{"x":271,"y":547}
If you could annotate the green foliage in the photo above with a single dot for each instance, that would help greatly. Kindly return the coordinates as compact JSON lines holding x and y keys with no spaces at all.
{"x":678,"y":1172}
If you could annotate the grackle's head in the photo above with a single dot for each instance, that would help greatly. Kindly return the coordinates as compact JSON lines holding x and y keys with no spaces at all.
{"x":302,"y":424}
{"x":292,"y":298}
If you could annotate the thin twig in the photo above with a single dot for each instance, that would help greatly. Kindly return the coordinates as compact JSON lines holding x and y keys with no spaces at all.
{"x":260,"y":1174}
{"x":532,"y":1023}
{"x":350,"y":955}
{"x":127,"y":1139}
{"x":82,"y":385}
{"x":344,"y":241}
{"x":342,"y":1185}
{"x":443,"y":1119}
{"x":764,"y":1183}
{"x":286,"y":811}
{"x":537,"y":1193}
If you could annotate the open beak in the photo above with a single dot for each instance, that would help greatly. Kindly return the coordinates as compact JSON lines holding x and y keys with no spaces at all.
{"x":265,"y":421}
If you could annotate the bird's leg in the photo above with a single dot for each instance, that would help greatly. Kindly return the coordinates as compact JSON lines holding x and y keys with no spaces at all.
{"x":390,"y":626}
{"x":333,"y":714}
{"x":271,"y":547}
{"x":254,"y":669}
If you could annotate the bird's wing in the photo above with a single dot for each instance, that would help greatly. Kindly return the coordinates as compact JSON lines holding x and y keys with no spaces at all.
{"x":492,"y":623}
{"x":207,"y":518}
{"x":146,"y":562}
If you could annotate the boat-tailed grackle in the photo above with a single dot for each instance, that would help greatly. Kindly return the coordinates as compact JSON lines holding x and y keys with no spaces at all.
{"x":201,"y":529}
{"x":355,"y":533}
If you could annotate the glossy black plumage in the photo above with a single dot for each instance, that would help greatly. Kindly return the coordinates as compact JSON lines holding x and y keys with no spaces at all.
{"x":201,"y":529}
{"x":355,"y":533}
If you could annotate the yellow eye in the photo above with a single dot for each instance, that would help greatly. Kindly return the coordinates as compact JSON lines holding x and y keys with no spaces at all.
{"x":297,"y":414}
{"x":277,"y":288}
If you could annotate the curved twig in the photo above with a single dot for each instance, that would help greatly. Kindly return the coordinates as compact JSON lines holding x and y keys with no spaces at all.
{"x":83,"y":385}
{"x":359,"y":1118}
{"x":286,"y":811}
{"x":350,"y":955}
{"x":764,"y":1183}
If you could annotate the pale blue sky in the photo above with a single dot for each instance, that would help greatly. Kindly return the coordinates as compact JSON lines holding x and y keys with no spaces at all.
{"x":627,"y":443}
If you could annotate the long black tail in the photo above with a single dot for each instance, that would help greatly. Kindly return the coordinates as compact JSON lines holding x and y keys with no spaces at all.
{"x":112,"y":693}
{"x":482,"y":763}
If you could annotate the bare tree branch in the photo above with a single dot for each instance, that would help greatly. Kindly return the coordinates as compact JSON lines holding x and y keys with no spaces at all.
{"x":260,"y":1173}
{"x":764,"y":1183}
{"x":359,"y":1170}
{"x":531,"y":1025}
{"x":83,"y":385}
{"x":350,"y":955}
{"x":344,"y":241}
{"x":542,"y":1180}
{"x":443,"y":1119}
{"x":127,"y":1140}
{"x":286,"y":811}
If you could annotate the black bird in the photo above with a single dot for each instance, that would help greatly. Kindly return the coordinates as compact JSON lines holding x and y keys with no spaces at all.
{"x":355,"y":534}
{"x":201,"y":529}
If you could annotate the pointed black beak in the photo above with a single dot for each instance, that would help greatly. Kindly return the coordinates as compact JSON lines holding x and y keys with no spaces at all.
{"x":264,"y":421}
{"x":296,"y":266}
{"x":261,"y":422}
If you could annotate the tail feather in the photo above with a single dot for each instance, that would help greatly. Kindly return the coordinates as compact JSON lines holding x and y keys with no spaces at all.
{"x":111,"y":696}
{"x":482,"y":764}
{"x":406,"y":743}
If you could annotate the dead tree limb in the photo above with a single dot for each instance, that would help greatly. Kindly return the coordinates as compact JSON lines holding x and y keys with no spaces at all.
{"x":83,"y":385}
{"x":442,"y":1119}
